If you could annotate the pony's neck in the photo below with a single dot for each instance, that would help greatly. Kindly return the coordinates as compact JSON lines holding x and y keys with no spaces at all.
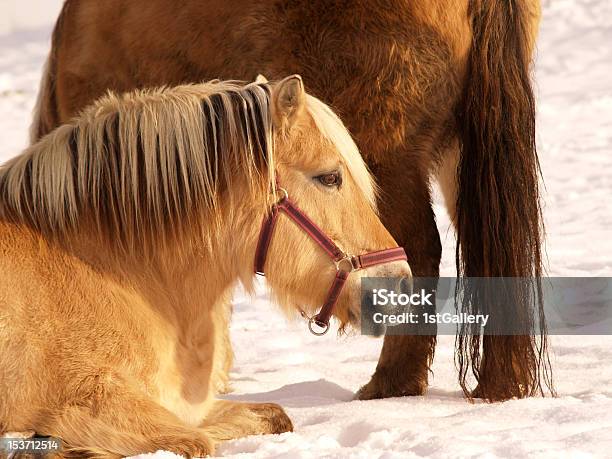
{"x":184,"y":285}
{"x":187,"y":289}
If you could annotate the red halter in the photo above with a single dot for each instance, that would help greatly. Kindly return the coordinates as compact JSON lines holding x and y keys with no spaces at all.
{"x":338,"y":256}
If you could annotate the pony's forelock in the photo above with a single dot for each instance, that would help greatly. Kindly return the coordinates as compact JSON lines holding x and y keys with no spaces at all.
{"x":332,"y":128}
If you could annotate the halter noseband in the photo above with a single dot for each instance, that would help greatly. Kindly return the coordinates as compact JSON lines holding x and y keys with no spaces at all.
{"x":345,"y":263}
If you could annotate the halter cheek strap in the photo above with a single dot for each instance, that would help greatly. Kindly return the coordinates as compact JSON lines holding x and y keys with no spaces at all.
{"x":345,"y":263}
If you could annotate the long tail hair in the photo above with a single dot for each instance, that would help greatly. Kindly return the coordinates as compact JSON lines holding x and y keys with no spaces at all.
{"x":499,"y":222}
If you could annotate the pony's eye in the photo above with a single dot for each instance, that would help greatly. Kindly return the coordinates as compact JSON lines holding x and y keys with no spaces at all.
{"x":331,"y":179}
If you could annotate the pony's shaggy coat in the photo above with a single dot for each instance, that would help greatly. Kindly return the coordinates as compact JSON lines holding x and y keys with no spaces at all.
{"x":436,"y":88}
{"x":122,"y":235}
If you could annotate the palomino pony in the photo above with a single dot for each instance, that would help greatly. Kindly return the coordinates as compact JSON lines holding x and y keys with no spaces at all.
{"x":122,"y":235}
{"x":435,"y":88}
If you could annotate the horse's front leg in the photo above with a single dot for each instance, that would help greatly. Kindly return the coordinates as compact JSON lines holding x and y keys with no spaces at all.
{"x":223,"y":353}
{"x":405,"y":205}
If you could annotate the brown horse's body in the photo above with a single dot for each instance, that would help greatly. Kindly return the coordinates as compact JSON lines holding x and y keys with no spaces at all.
{"x":414,"y":82}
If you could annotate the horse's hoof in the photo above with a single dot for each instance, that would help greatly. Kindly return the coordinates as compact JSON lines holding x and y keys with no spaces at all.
{"x":518,"y":391}
{"x":275,"y":418}
{"x":384,"y":387}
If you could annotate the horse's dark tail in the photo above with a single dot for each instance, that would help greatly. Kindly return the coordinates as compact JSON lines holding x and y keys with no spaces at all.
{"x":46,"y":115}
{"x":499,"y":222}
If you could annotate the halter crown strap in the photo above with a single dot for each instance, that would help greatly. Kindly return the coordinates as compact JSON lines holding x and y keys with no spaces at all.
{"x":329,"y":246}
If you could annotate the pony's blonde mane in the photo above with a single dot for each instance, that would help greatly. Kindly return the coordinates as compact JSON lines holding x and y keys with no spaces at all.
{"x":140,"y":164}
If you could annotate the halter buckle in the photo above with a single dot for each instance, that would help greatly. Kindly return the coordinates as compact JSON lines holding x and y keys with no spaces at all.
{"x":347,"y":259}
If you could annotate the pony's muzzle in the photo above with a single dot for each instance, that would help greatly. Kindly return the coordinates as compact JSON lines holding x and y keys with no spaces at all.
{"x":395,"y":277}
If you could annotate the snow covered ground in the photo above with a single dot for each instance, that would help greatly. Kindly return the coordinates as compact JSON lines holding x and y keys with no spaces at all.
{"x":315,"y":378}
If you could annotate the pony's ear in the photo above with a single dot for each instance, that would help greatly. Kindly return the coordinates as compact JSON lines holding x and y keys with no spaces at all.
{"x":261,"y":79}
{"x":289,"y":98}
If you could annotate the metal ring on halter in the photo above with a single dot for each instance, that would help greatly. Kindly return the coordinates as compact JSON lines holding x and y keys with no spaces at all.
{"x":285,"y":192}
{"x":347,"y":258}
{"x":312,"y":321}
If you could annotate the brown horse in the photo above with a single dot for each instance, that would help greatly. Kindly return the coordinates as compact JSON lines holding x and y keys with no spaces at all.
{"x":436,"y":88}
{"x":123,"y":233}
